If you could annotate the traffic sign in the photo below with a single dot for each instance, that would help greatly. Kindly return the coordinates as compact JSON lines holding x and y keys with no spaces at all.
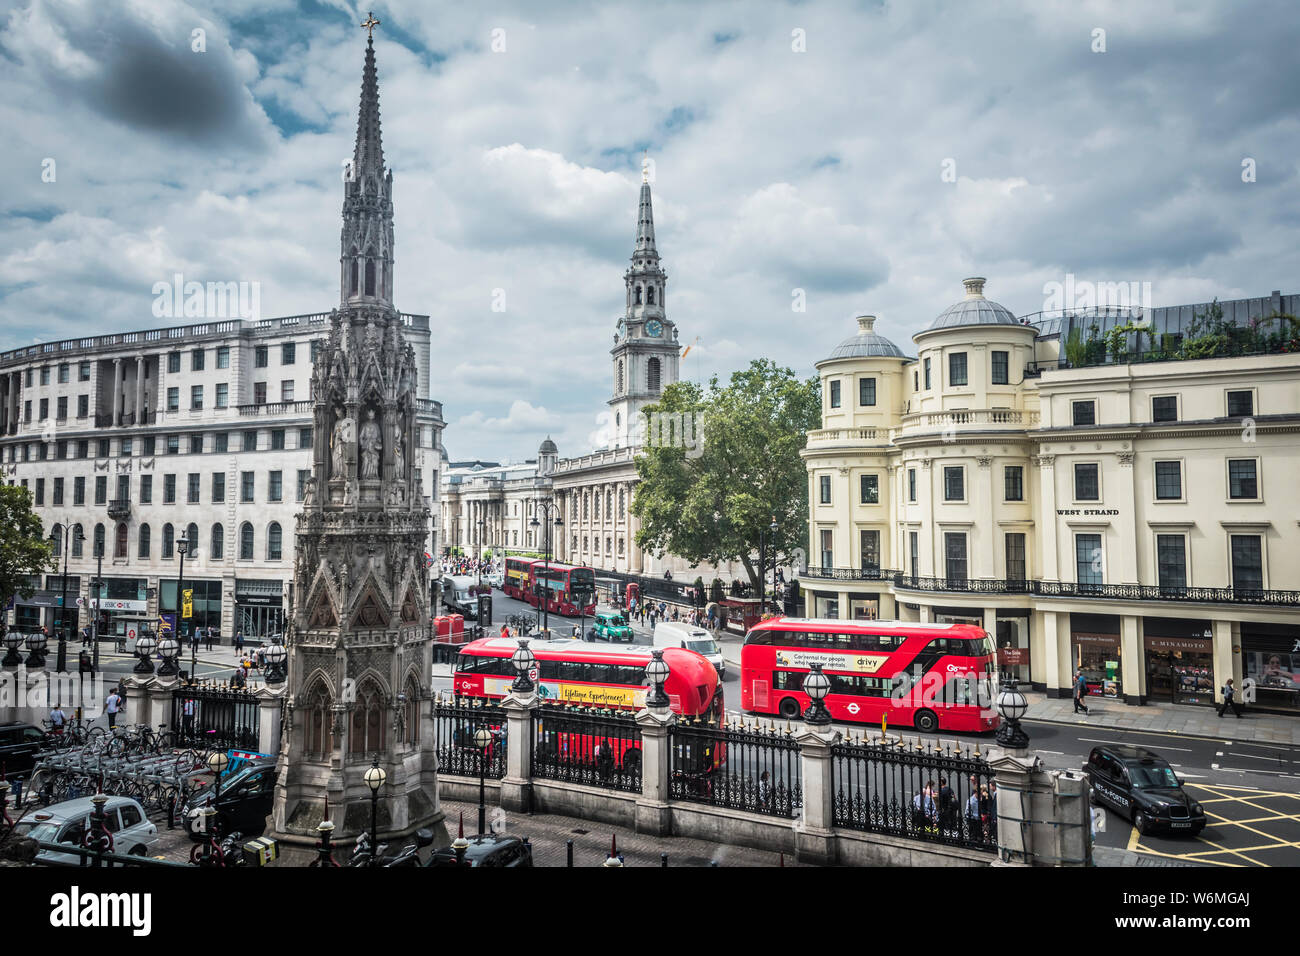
{"x":533,"y":673}
{"x":130,"y":633}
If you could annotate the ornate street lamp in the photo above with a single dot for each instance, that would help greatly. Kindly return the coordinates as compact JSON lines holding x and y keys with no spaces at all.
{"x":482,"y":737}
{"x":817,"y":685}
{"x":13,"y":641}
{"x":657,"y":671}
{"x":169,"y":648}
{"x":375,"y":778}
{"x":217,"y":763}
{"x":1012,"y":706}
{"x":36,"y":649}
{"x":144,"y":648}
{"x":524,"y":661}
{"x":275,"y":657}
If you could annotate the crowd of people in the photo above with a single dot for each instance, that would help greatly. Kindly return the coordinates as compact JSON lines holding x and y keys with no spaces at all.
{"x":938,"y":809}
{"x":461,"y":565}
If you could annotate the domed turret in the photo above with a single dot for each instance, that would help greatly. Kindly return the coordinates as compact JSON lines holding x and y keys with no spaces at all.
{"x":866,"y":344}
{"x":547,"y":455}
{"x":974,"y":309}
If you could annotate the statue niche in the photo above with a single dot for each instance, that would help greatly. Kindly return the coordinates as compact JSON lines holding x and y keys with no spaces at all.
{"x":341,"y":439}
{"x":372,"y":447}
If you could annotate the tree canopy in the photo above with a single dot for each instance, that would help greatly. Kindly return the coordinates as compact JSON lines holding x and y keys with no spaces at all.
{"x":24,"y":549}
{"x":709,"y":504}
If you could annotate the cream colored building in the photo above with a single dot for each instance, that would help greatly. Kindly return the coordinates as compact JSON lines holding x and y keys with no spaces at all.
{"x":1135,"y":519}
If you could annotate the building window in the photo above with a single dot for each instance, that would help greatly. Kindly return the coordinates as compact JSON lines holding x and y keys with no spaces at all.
{"x":217,"y":550}
{"x":148,"y":445}
{"x":221,"y":443}
{"x":173,"y":444}
{"x":142,"y":543}
{"x":196,"y":360}
{"x":173,"y":362}
{"x":259,"y":393}
{"x":1084,"y":413}
{"x":1171,"y":561}
{"x":835,"y":394}
{"x":119,"y":540}
{"x":83,"y":372}
{"x":287,"y":353}
{"x":286,"y":390}
{"x":45,"y":375}
{"x":954,"y":483}
{"x":866,"y":391}
{"x":869,"y":542}
{"x":99,"y":539}
{"x":954,"y":556}
{"x":250,"y":441}
{"x":78,"y":491}
{"x":196,"y":444}
{"x":218,"y":487}
{"x":1169,"y":481}
{"x":45,"y":408}
{"x":173,"y":399}
{"x":304,"y":437}
{"x":1087,"y":486}
{"x":957,"y":368}
{"x":275,"y":486}
{"x":103,"y":447}
{"x":196,"y":395}
{"x":914,"y":551}
{"x":1013,"y":483}
{"x":1015,"y":542}
{"x":168,"y":542}
{"x":246,"y":542}
{"x":1087,"y":560}
{"x":101,"y":489}
{"x":927,"y":374}
{"x":869,"y":486}
{"x":1241,"y":404}
{"x":1247,"y":562}
{"x":1164,"y":408}
{"x":828,"y":550}
{"x":274,"y":542}
{"x":277,"y":439}
{"x":916,"y":380}
{"x":825,"y":483}
{"x":83,"y":406}
{"x":58,"y":491}
{"x":169,"y":489}
{"x":1001,"y":367}
{"x":223,"y":357}
{"x":368,"y":723}
{"x":61,"y":408}
{"x":40,"y":491}
{"x":192,"y":489}
{"x":303,"y":475}
{"x":911,"y":485}
{"x":146,"y":489}
{"x":260,"y":356}
{"x":246,"y":486}
{"x":1242,"y":480}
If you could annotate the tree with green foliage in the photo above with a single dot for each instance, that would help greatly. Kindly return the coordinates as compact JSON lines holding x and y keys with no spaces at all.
{"x":25,"y":551}
{"x":709,"y":503}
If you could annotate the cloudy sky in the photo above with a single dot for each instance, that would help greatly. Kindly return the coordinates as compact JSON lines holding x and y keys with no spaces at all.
{"x":869,"y":154}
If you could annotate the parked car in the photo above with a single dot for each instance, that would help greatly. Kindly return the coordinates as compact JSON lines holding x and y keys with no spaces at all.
{"x":487,"y":849}
{"x":67,"y":822}
{"x":611,"y":626}
{"x":1140,"y":785}
{"x":496,"y":579}
{"x":244,"y":804}
{"x":697,"y":639}
{"x":19,"y":745}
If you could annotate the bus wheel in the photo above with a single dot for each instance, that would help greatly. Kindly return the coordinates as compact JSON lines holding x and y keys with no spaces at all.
{"x":926,"y":722}
{"x":790,"y":708}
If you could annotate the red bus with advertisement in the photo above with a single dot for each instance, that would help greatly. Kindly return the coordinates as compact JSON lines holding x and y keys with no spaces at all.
{"x":518,"y":581}
{"x":556,"y":582}
{"x":571,"y":672}
{"x":930,"y":676}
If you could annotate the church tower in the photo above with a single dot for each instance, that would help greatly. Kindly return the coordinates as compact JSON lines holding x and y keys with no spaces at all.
{"x":360,"y":638}
{"x":646,"y":352}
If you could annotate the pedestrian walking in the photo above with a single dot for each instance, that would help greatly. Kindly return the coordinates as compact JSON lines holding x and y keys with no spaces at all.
{"x":239,"y":641}
{"x":112,"y":704}
{"x":57,"y":719}
{"x":1230,"y":700}
{"x":1080,"y":692}
{"x":85,"y":665}
{"x":209,"y":636}
{"x":187,"y":716}
{"x":85,"y":636}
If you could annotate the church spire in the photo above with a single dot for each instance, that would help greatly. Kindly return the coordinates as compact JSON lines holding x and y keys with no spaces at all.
{"x":366,"y":246}
{"x":645,"y":218}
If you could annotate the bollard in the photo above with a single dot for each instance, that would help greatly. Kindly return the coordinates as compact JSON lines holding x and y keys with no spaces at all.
{"x":713,"y":863}
{"x":171,"y":812}
{"x":663,"y":859}
{"x":569,"y":845}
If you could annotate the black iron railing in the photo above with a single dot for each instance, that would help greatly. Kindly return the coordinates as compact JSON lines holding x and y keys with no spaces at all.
{"x":215,"y":718}
{"x":600,"y":748}
{"x":736,"y":766}
{"x":851,"y":574}
{"x":457,"y":721}
{"x":919,"y":791}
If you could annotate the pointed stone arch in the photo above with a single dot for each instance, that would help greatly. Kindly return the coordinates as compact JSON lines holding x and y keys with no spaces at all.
{"x":372,"y":610}
{"x":322,"y":613}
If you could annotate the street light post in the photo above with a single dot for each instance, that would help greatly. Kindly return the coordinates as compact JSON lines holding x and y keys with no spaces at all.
{"x":479,"y":557}
{"x":546,"y":506}
{"x":96,"y":585}
{"x":482,"y":737}
{"x":765,"y":537}
{"x":375,"y":778}
{"x":183,"y":546}
{"x":61,"y":664}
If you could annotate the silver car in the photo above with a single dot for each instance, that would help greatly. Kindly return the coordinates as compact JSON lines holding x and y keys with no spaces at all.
{"x":67,"y":822}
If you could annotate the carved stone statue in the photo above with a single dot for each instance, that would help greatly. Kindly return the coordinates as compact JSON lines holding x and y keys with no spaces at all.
{"x":309,"y":493}
{"x":399,"y":457}
{"x":350,"y":494}
{"x":344,"y":434}
{"x":372,"y":444}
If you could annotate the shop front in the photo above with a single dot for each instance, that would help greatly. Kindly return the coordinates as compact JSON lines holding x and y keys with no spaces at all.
{"x":259,"y":607}
{"x":959,"y":615}
{"x":822,"y":604}
{"x":206,"y":597}
{"x":1179,"y":660}
{"x":123,"y":607}
{"x":1012,"y":640}
{"x":1095,"y":650}
{"x":1271,"y":661}
{"x":864,"y":607}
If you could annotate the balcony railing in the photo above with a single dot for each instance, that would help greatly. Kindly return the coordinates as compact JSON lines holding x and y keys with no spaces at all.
{"x":277,"y":408}
{"x":848,"y":434}
{"x":119,"y":509}
{"x":1067,"y":589}
{"x":973,"y":416}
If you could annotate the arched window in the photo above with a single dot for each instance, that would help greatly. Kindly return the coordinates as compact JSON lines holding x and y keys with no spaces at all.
{"x":352,"y":269}
{"x":56,"y":533}
{"x":622,"y":504}
{"x":168,"y":542}
{"x":192,"y":540}
{"x":620,"y":375}
{"x":620,"y":547}
{"x":274,"y":542}
{"x":586,"y":505}
{"x":245,"y":542}
{"x":370,"y":276}
{"x":318,"y":725}
{"x":367,"y":720}
{"x":609,"y":545}
{"x":609,"y":504}
{"x":652,"y":375}
{"x":412,"y":704}
{"x":595,"y":508}
{"x":584,"y":542}
{"x":649,"y":295}
{"x":217,"y":549}
{"x":636,"y":300}
{"x":77,"y":534}
{"x":143,"y":542}
{"x":119,"y":540}
{"x":99,"y":539}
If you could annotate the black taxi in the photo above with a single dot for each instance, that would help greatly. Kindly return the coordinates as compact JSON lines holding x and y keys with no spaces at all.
{"x":1139,"y":784}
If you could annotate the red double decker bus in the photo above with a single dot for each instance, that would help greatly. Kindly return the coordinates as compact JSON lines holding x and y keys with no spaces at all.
{"x":554,"y":583}
{"x":571,"y":672}
{"x":518,"y":582}
{"x":931,"y":676}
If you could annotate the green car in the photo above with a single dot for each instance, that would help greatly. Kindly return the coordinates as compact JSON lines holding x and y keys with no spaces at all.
{"x":611,"y":626}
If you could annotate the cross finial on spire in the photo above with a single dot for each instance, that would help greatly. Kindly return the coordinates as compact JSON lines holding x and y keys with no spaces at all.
{"x":645,"y":166}
{"x":369,"y":23}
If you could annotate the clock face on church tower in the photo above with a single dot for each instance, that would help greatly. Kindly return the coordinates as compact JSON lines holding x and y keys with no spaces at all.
{"x":654,"y":328}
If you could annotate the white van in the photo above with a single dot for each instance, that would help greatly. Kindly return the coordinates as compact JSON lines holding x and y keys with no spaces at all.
{"x":697,"y":639}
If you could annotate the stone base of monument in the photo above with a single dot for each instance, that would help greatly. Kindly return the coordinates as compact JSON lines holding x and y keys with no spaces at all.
{"x":300,"y":838}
